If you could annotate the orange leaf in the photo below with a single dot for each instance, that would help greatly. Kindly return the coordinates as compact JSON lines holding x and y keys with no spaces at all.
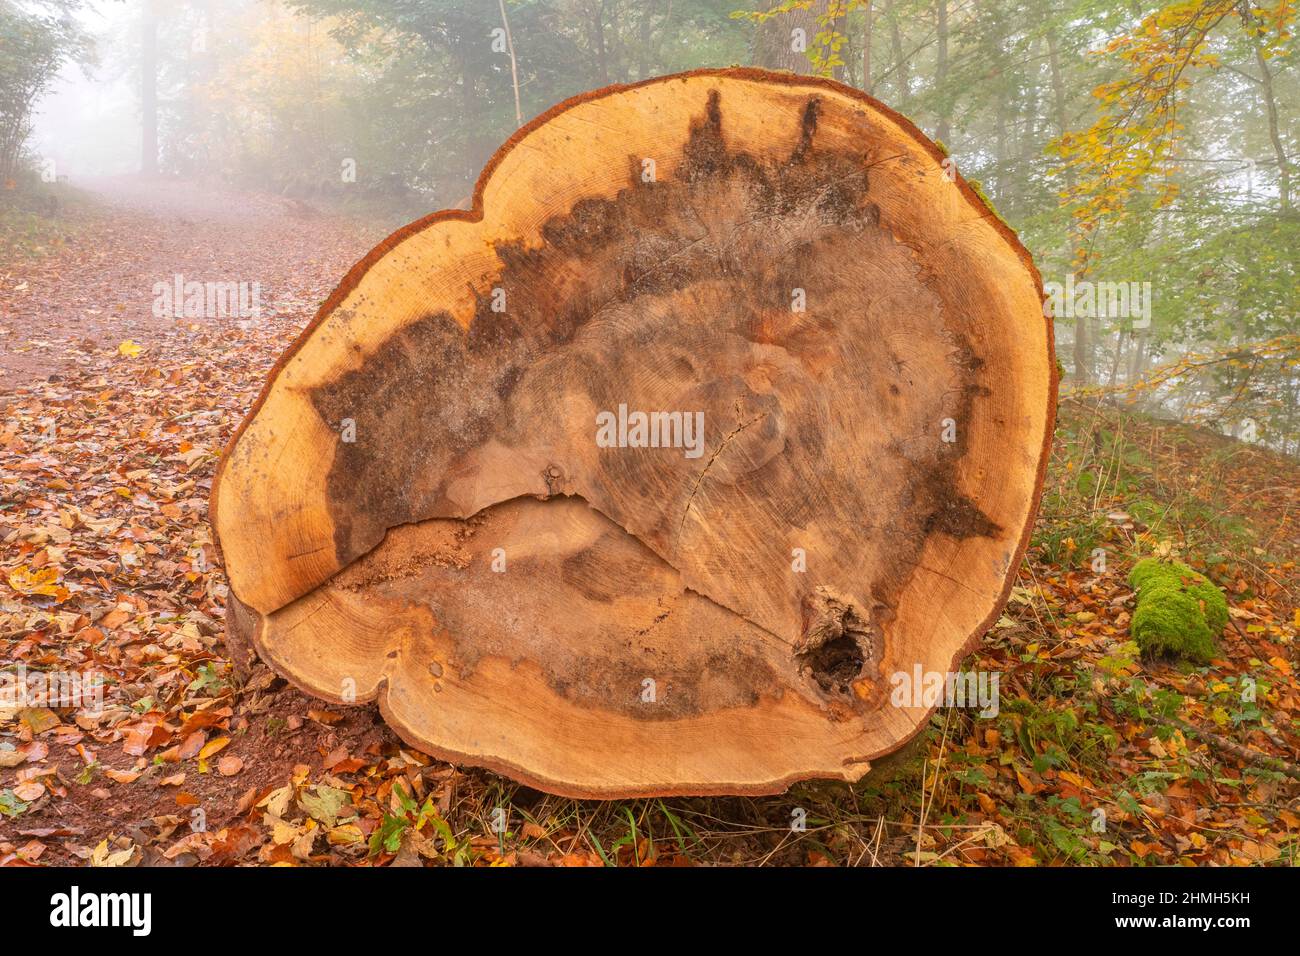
{"x":1027,"y":785}
{"x":114,"y":618}
{"x":230,"y":765}
{"x":192,"y":744}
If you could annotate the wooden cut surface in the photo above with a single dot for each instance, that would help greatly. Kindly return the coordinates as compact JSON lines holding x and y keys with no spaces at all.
{"x":506,"y":586}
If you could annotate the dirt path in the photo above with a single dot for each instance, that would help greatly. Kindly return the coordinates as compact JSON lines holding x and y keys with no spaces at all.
{"x":106,"y":562}
{"x":59,"y":312}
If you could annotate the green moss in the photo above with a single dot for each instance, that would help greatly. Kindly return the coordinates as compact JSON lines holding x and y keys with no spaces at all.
{"x":1180,"y":613}
{"x":979,"y":191}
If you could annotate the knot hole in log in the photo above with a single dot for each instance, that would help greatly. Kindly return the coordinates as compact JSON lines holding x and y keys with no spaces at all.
{"x":839,"y":644}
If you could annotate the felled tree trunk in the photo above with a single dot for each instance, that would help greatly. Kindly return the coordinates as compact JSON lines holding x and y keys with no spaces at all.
{"x":724,"y":405}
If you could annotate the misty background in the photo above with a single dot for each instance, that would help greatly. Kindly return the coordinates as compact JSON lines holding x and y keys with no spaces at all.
{"x":1143,"y":151}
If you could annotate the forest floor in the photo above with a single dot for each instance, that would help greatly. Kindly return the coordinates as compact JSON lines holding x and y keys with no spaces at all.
{"x":113,"y":421}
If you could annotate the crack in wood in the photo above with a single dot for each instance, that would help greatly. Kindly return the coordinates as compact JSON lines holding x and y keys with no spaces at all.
{"x":714,"y":457}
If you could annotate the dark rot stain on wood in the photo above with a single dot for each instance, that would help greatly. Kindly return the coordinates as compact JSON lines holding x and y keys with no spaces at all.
{"x":677,"y":295}
{"x":958,"y":517}
{"x":807,"y":130}
{"x":402,"y":438}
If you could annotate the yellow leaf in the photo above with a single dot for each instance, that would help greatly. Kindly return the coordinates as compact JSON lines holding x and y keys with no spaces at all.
{"x":45,"y":581}
{"x":101,"y":856}
{"x":213,"y":746}
{"x":347,"y":834}
{"x":1075,"y":779}
{"x":282,"y":832}
{"x":129,"y":349}
{"x":39,"y":719}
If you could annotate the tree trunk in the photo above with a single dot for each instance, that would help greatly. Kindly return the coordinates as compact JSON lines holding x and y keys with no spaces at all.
{"x":1138,"y":360}
{"x":1082,"y":350}
{"x":514,"y":65}
{"x":941,"y":67}
{"x":900,"y":59}
{"x":774,"y":39}
{"x":596,"y":33}
{"x":627,"y":484}
{"x":148,"y":89}
{"x":643,"y":39}
{"x":866,"y":45}
{"x":1274,"y":136}
{"x":999,"y":190}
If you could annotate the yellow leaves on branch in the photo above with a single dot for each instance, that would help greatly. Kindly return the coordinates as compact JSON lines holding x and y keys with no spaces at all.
{"x":1136,"y":137}
{"x":1272,"y":26}
{"x":1188,"y":371}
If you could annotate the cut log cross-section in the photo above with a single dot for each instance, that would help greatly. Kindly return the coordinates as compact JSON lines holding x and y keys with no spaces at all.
{"x":726,"y":403}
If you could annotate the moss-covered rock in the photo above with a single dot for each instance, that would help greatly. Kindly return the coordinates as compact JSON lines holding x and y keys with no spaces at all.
{"x":1179,"y":612}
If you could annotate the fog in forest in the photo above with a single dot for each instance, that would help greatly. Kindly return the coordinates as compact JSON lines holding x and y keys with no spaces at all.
{"x":1145,"y":153}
